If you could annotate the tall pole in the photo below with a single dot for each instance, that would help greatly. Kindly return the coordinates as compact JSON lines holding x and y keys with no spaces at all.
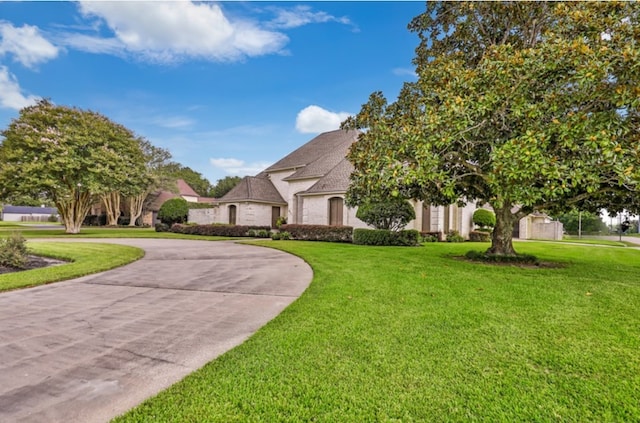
{"x":620,"y":225}
{"x":580,"y":225}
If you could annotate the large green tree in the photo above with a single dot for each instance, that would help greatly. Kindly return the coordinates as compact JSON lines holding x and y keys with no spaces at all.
{"x":199,"y":183}
{"x":224,"y":185}
{"x":524,"y":106}
{"x":74,"y":157}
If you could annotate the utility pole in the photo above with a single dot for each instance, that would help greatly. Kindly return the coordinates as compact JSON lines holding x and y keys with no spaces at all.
{"x":579,"y":225}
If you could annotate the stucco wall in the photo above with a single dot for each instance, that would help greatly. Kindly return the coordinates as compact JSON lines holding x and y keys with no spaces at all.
{"x":550,"y":230}
{"x":282,"y":186}
{"x":253,"y":214}
{"x":204,"y":216}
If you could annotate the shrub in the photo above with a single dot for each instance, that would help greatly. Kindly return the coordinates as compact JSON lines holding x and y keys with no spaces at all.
{"x":319,"y":232}
{"x":162,"y":227}
{"x":454,"y":236}
{"x":431,"y":236}
{"x":285,"y":235}
{"x":282,"y":220}
{"x":275,"y":236}
{"x":199,"y":205}
{"x":479,"y":236}
{"x":95,"y":220}
{"x":259,"y":233}
{"x":52,"y":218}
{"x":392,"y":215}
{"x":219,"y":230}
{"x":13,"y":251}
{"x":173,"y":211}
{"x":484,"y":218}
{"x":386,"y":237}
{"x":495,"y":258}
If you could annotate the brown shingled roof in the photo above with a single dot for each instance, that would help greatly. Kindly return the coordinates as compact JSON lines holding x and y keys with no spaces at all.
{"x":318,"y":156}
{"x":336,"y":180}
{"x":253,"y":188}
{"x":185,"y":189}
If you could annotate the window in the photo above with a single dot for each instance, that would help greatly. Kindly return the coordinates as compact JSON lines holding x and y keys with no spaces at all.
{"x":336,"y":204}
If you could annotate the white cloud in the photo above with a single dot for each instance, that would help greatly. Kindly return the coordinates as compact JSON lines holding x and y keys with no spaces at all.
{"x":26,"y":44}
{"x":239,"y":167}
{"x":174,"y":122}
{"x":11,"y":96}
{"x":405,"y":72}
{"x":303,"y":15}
{"x":172,"y":31}
{"x":314,"y":120}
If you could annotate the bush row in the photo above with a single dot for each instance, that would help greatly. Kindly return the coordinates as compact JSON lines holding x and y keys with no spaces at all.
{"x":323,"y":233}
{"x":212,"y":230}
{"x":409,"y":237}
{"x":319,"y":232}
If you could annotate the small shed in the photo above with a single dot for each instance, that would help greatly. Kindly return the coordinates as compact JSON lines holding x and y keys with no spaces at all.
{"x":28,"y":214}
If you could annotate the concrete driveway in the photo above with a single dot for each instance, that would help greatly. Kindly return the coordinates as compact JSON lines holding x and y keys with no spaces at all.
{"x":89,"y":349}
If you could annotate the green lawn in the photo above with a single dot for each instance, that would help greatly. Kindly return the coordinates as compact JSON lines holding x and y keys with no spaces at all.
{"x":412,"y":334}
{"x":85,"y":258}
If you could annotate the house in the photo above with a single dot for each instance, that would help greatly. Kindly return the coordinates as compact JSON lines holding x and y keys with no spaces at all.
{"x":28,"y":214}
{"x":308,"y":186}
{"x":156,"y":199}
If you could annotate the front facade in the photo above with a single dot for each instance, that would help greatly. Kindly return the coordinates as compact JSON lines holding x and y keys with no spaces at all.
{"x":308,"y":186}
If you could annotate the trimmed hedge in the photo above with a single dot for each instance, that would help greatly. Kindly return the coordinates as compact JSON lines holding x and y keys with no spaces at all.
{"x":199,"y":205}
{"x":409,"y":237}
{"x":319,"y":232}
{"x":432,"y":236}
{"x":217,"y":230}
{"x":479,"y":236}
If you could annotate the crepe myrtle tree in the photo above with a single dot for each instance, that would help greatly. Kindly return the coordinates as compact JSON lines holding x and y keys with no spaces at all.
{"x":524,"y":106}
{"x":75,"y":157}
{"x":151,"y":177}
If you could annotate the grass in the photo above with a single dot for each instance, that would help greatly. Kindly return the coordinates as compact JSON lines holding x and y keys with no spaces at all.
{"x":410,"y":334}
{"x":85,"y":258}
{"x":99,"y":232}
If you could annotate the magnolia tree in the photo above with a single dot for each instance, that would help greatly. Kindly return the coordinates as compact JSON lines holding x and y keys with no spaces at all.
{"x":74,"y":157}
{"x":524,"y":106}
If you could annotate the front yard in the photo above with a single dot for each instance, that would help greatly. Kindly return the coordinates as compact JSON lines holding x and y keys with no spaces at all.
{"x":412,"y":334}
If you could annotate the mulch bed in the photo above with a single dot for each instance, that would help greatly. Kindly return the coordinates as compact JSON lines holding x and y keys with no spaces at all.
{"x":33,"y":262}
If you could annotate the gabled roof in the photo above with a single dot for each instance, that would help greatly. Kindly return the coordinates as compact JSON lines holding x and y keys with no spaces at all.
{"x":254,"y":188}
{"x":158,"y":198}
{"x":337,"y":180}
{"x":29,"y":210}
{"x":185,"y":189}
{"x":318,"y":156}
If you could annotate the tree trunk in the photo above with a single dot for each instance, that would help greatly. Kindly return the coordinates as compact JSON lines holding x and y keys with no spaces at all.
{"x":502,"y":236}
{"x":73,"y":210}
{"x":112,"y":207}
{"x":135,"y":207}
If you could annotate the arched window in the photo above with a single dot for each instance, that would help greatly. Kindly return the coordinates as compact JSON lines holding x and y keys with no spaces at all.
{"x":232,"y":215}
{"x":336,"y":204}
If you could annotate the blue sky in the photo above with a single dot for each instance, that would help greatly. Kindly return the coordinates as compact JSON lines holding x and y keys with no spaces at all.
{"x":227,"y":87}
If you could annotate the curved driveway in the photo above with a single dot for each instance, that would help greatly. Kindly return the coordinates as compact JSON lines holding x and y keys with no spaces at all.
{"x":88,"y":349}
